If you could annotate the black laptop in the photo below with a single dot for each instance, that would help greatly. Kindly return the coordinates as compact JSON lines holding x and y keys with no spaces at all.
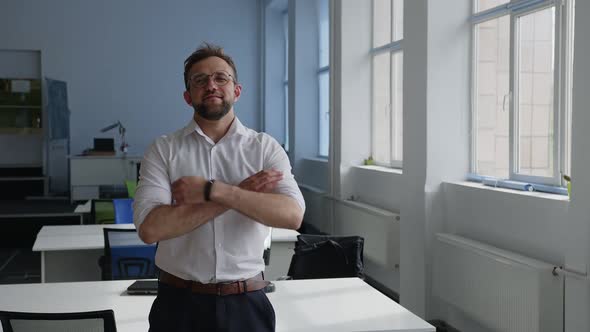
{"x":143,"y":287}
{"x":104,"y":144}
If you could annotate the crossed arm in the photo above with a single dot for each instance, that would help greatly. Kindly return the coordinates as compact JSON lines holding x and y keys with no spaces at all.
{"x":253,"y":197}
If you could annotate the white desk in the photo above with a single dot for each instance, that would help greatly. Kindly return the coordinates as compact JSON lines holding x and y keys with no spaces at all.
{"x":327,"y":305}
{"x":70,"y":253}
{"x":88,"y":173}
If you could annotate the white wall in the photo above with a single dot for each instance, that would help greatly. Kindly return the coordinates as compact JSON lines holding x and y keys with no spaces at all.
{"x":577,"y":251}
{"x":274,"y":72}
{"x":351,"y":93}
{"x":413,"y":246}
{"x":436,"y":150}
{"x":123,"y":60}
{"x":303,"y":83}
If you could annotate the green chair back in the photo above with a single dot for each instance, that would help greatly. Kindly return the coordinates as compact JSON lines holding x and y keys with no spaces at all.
{"x":103,"y":211}
{"x":131,"y":187}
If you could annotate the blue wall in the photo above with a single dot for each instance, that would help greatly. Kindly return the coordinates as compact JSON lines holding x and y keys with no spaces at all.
{"x":123,"y":60}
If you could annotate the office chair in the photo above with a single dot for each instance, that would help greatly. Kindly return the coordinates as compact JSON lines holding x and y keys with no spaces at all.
{"x":102,"y":211}
{"x":327,"y":256}
{"x":91,"y":321}
{"x":267,"y":243}
{"x":131,"y":188}
{"x":266,"y":256}
{"x":126,"y":256}
{"x":123,"y":210}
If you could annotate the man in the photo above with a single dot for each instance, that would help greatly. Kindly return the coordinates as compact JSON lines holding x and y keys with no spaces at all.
{"x":208,"y":193}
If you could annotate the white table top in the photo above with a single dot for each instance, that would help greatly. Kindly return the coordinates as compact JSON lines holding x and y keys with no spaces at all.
{"x":284,"y":235}
{"x":75,"y":230}
{"x":85,"y":237}
{"x":330,"y":305}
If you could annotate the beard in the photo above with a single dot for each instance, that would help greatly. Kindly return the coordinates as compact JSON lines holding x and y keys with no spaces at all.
{"x":213,"y":112}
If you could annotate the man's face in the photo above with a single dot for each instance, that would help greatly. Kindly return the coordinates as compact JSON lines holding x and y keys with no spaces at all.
{"x":212,"y":88}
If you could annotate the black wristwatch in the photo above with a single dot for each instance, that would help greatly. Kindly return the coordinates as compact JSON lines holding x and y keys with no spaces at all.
{"x":207,"y":190}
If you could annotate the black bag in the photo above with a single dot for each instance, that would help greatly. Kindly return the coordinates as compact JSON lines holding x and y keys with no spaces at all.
{"x":326,"y":256}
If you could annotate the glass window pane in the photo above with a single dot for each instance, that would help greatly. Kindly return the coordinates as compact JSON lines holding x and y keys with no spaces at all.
{"x":491,"y":101}
{"x":398,"y":19}
{"x":324,"y":36}
{"x":381,"y":109}
{"x":286,"y":39}
{"x":324,"y":115}
{"x":381,"y":22}
{"x":397,"y":61}
{"x":481,"y":5}
{"x":286,"y":90}
{"x":536,"y":47}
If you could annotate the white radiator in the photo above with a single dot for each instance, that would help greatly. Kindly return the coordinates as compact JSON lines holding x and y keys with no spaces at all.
{"x":379,"y":228}
{"x":501,"y":290}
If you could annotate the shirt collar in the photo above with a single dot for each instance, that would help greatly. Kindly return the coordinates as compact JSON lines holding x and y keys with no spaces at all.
{"x":236,"y":128}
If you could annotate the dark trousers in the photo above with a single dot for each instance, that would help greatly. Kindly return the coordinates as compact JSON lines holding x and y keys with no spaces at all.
{"x":181,"y":310}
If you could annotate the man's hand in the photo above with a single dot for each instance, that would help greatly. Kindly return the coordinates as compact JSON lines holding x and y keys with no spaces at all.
{"x":188,"y":190}
{"x":264,"y":181}
{"x":256,"y":198}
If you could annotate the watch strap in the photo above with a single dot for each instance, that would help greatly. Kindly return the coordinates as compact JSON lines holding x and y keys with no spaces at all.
{"x":207,"y":190}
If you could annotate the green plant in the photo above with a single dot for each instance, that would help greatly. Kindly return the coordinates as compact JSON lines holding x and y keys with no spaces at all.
{"x":568,"y":179}
{"x":369,"y":161}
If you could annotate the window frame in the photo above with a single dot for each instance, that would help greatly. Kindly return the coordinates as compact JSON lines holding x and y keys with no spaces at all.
{"x":562,"y":58}
{"x":285,"y":19}
{"x":393,"y":47}
{"x":321,"y":70}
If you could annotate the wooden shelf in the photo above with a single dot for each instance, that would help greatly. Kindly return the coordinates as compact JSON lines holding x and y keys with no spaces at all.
{"x":24,"y":131}
{"x":21,"y":106}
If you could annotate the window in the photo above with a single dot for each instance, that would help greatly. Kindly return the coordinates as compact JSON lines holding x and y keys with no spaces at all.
{"x":324,"y":77}
{"x":521,"y":94}
{"x":286,"y":76}
{"x":387,"y":83}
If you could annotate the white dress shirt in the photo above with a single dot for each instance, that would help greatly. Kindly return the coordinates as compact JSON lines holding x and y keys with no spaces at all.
{"x":230,"y":246}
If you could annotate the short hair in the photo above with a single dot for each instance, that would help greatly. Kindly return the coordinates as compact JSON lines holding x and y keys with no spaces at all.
{"x":207,"y":50}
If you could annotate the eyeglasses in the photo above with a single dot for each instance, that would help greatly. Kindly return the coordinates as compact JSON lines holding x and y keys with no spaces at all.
{"x":220,"y":78}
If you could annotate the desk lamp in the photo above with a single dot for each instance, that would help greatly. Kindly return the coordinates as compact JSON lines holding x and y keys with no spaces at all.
{"x":122,"y":130}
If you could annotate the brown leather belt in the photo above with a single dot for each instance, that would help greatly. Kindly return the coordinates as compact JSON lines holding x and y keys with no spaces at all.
{"x":221,"y":289}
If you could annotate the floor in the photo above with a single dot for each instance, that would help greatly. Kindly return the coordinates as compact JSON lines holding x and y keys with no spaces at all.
{"x":21,"y":220}
{"x":19,"y":265}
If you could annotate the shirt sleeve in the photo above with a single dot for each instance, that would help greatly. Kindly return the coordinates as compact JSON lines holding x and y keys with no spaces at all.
{"x":154,"y":182}
{"x":276,"y":158}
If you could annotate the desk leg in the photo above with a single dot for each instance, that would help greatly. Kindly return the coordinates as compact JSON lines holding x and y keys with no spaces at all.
{"x":72,"y":265}
{"x":280,"y":259}
{"x":42,"y":266}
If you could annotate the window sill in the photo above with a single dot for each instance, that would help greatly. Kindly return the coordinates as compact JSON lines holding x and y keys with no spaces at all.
{"x":535,"y":194}
{"x":313,"y":189}
{"x":380,"y":169}
{"x":317,"y":159}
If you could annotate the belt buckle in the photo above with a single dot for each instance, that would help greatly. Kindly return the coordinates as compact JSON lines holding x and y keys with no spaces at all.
{"x":219,"y":287}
